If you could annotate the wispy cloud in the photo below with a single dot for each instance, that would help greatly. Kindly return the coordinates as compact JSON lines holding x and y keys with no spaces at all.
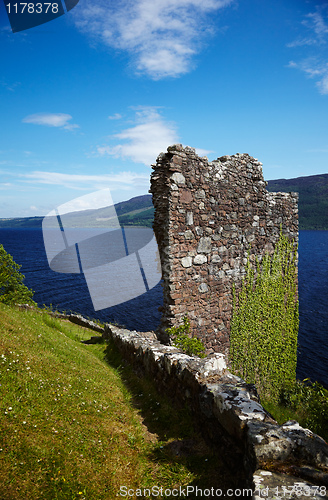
{"x":317,"y":30}
{"x":314,"y":44}
{"x":316,"y":22}
{"x":143,"y":142}
{"x":121,"y":180}
{"x":60,"y":186}
{"x":51,"y":120}
{"x":161,"y":36}
{"x":203,"y":152}
{"x":117,"y":116}
{"x":9,"y":86}
{"x":317,"y":150}
{"x":5,"y":185}
{"x":316,"y":68}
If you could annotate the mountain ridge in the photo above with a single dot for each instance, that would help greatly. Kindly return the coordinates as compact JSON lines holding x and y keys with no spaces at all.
{"x":313,"y":198}
{"x":139,"y":210}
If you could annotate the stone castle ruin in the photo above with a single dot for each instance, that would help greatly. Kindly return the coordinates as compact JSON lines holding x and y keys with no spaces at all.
{"x":208,"y":216}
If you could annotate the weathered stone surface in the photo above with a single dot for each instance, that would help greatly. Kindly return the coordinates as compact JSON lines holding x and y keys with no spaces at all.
{"x":186,"y":261}
{"x":204,"y":245}
{"x":289,"y":442}
{"x":200,"y":259}
{"x":220,"y":210}
{"x":228,"y":410}
{"x":216,"y":259}
{"x":178,"y":178}
{"x":228,"y":413}
{"x":189,"y":219}
{"x":274,"y":486}
{"x":79,"y":320}
{"x":185,"y":196}
{"x":189,"y":235}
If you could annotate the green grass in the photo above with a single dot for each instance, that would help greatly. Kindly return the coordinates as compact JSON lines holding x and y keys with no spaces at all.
{"x":76,"y":422}
{"x":305,"y":402}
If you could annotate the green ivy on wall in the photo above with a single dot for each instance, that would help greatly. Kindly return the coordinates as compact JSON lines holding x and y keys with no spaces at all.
{"x":264,"y":324}
{"x":181,"y":339}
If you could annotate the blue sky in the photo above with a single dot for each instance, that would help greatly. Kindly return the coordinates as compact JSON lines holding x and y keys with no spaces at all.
{"x":88,"y":101}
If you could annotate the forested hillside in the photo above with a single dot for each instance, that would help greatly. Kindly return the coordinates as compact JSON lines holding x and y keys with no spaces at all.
{"x":139,"y":211}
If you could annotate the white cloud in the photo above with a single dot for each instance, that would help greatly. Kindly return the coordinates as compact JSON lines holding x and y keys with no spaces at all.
{"x":161,"y":36}
{"x":315,"y":21}
{"x":203,"y":152}
{"x":51,"y":120}
{"x":117,"y":116}
{"x":316,"y":27}
{"x":143,"y":142}
{"x":322,"y":84}
{"x":314,"y":48}
{"x":121,"y":180}
{"x":314,"y":68}
{"x":55,"y":188}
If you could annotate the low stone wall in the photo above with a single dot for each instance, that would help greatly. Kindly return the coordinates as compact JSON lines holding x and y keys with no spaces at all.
{"x":229,"y":414}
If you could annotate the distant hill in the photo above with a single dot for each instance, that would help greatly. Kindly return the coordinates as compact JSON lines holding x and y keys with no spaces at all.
{"x":22,"y":222}
{"x":313,"y":198}
{"x":139,"y":211}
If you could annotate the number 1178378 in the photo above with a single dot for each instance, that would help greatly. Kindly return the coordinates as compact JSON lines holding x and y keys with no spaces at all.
{"x":31,"y":8}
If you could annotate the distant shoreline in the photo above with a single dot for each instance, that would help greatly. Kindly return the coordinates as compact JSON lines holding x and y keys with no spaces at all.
{"x":139,"y":211}
{"x":12,"y":224}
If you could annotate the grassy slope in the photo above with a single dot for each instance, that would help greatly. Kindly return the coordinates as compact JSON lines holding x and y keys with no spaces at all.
{"x":72,"y":419}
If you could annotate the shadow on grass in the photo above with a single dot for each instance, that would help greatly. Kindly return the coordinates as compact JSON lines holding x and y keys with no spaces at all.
{"x":176,"y":441}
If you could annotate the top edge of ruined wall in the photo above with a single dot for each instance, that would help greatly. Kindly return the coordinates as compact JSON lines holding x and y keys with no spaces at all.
{"x":248,"y":166}
{"x":180,"y":150}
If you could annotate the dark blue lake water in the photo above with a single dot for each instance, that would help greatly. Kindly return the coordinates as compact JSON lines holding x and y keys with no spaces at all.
{"x":69,"y":292}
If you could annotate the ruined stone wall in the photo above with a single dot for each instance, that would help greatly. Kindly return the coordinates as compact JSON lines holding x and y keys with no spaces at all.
{"x":228,"y":414}
{"x":264,"y":456}
{"x":208,"y":216}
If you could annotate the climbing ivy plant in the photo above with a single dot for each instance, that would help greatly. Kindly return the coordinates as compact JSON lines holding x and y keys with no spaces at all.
{"x":180,"y":336}
{"x":264,"y":325}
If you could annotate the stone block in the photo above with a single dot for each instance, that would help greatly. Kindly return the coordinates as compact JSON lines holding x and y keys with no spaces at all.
{"x":186,"y":261}
{"x":205,"y":245}
{"x":189,"y":235}
{"x":178,"y":178}
{"x":200,"y":259}
{"x":189,"y":219}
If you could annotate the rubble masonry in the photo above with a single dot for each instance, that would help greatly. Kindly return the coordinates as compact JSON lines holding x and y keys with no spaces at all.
{"x":208,"y":216}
